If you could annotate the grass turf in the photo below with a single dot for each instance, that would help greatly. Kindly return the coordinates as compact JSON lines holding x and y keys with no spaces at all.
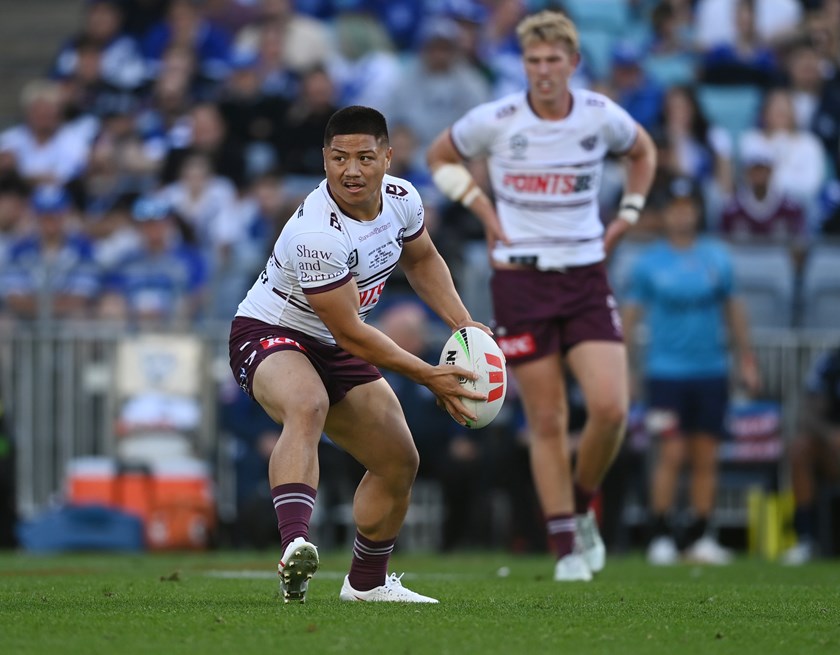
{"x":228,"y":603}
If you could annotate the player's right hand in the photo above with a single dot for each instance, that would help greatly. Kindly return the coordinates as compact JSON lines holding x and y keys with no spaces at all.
{"x":444,"y":381}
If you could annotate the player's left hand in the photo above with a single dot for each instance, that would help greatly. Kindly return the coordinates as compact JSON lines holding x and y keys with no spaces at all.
{"x":475,"y":324}
{"x":615,"y":231}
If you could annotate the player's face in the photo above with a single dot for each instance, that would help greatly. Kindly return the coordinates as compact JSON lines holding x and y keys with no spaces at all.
{"x":548,"y":66}
{"x":355,"y":165}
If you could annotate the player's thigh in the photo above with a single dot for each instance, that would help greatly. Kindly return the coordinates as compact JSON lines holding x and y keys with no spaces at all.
{"x":369,"y":424}
{"x":542,"y":389}
{"x":290,"y":390}
{"x":600,"y":368}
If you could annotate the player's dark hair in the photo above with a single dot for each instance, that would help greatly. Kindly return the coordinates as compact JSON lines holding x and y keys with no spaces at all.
{"x":357,"y":120}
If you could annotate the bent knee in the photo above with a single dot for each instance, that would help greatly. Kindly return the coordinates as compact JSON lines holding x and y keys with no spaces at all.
{"x":609,"y":415}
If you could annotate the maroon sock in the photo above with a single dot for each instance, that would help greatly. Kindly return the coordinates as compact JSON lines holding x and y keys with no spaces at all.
{"x":293,"y":505}
{"x":583,"y":498}
{"x":370,"y":562}
{"x":561,"y":534}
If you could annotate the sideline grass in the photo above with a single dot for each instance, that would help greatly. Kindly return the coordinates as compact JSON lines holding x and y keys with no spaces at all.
{"x":228,"y":603}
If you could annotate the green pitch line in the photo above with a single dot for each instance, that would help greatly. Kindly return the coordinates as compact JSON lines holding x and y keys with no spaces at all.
{"x":490,"y":603}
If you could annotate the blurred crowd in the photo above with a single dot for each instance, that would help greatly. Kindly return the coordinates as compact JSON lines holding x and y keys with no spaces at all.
{"x":212,"y":113}
{"x":157,"y":159}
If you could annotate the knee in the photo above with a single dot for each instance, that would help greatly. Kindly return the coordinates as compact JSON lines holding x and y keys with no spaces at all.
{"x":609,"y":414}
{"x":547,"y":424}
{"x":306,"y":417}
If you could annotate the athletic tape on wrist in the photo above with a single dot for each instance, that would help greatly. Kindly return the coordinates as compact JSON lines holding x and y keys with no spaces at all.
{"x":631,"y":207}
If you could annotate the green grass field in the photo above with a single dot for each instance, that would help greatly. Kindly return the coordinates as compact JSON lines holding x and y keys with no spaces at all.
{"x":228,"y":603}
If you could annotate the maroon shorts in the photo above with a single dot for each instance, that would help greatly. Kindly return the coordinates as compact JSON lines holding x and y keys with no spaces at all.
{"x":542,"y":312}
{"x":251,"y":341}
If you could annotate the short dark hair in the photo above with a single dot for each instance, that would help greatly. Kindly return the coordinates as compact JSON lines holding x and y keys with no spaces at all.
{"x":356,"y":120}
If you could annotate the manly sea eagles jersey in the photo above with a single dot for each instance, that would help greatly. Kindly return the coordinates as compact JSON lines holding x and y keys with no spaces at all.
{"x":321,"y":248}
{"x":546,"y":174}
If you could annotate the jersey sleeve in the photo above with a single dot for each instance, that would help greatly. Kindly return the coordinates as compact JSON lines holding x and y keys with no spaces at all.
{"x":320,"y":261}
{"x":472,"y":134}
{"x":620,"y":130}
{"x":415,"y":220}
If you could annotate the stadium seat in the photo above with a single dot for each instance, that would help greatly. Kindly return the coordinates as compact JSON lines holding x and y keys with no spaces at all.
{"x":607,"y":15}
{"x":764,"y":280}
{"x":596,"y":51}
{"x":821,"y":288}
{"x":735,"y":108}
{"x":670,"y":70}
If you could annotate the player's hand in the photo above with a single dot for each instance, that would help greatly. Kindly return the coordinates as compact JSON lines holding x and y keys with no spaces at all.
{"x":615,"y":231}
{"x":750,"y":377}
{"x":444,"y":381}
{"x":475,"y":324}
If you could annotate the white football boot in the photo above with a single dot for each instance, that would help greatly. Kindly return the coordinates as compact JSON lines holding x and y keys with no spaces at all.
{"x":708,"y":551}
{"x":572,"y":568}
{"x":299,"y":563}
{"x":663,"y":551}
{"x":800,"y":554}
{"x":589,"y":542}
{"x":390,"y":592}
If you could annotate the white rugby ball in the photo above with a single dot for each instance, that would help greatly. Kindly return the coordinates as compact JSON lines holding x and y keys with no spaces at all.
{"x":475,"y":350}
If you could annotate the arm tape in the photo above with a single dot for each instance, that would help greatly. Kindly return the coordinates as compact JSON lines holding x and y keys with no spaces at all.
{"x":631,"y":207}
{"x":453,"y":180}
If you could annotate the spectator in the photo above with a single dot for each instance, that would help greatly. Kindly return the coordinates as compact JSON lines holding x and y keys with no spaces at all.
{"x":277,"y":78}
{"x":745,"y":60}
{"x":120,"y":63}
{"x":204,"y":132}
{"x":798,"y":159}
{"x":699,"y":150}
{"x":301,"y":143}
{"x":51,"y":273}
{"x":716,"y":21}
{"x":633,"y":89}
{"x":253,"y":119}
{"x":14,"y":195}
{"x":688,"y":309}
{"x":757,"y":210}
{"x":44,"y":149}
{"x":185,"y":26}
{"x":441,"y":84}
{"x":163,"y":281}
{"x":205,"y":204}
{"x":807,"y":82}
{"x":365,"y":69}
{"x":672,"y":29}
{"x":307,"y":43}
{"x":815,"y":452}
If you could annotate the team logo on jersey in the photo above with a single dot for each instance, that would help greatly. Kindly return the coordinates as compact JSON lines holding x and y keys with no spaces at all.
{"x":396,"y":190}
{"x":518,"y":145}
{"x":400,"y":236}
{"x":334,"y":222}
{"x":353,"y":259}
{"x":589,"y":142}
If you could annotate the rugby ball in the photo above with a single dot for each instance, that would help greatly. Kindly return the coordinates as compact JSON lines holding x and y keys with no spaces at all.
{"x":475,"y":350}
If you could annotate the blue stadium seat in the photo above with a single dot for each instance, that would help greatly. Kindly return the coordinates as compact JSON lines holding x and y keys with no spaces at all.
{"x":821,"y":288}
{"x":670,"y":70}
{"x":608,"y":15}
{"x":764,"y":280}
{"x":735,"y":108}
{"x":596,"y":51}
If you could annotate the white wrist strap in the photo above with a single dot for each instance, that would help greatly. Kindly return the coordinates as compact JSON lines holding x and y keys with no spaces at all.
{"x":631,"y":207}
{"x":454,"y":181}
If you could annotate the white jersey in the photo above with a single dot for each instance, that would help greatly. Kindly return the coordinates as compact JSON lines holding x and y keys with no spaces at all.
{"x":321,"y":248}
{"x":546,"y":174}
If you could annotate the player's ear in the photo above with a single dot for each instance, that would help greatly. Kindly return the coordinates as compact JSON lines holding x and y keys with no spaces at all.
{"x":388,"y":154}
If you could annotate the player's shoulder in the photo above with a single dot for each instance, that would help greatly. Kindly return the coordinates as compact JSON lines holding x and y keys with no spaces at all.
{"x":314,"y":216}
{"x":502,"y":109}
{"x":594,"y":102}
{"x":399,"y":188}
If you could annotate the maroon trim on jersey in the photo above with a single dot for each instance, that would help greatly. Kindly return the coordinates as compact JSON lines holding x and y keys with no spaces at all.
{"x":621,"y":153}
{"x":412,"y":237}
{"x":542,"y":118}
{"x":328,"y":287}
{"x":350,"y":216}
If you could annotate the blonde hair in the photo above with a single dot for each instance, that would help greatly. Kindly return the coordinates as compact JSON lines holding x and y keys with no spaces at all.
{"x":38,"y":89}
{"x":548,"y":26}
